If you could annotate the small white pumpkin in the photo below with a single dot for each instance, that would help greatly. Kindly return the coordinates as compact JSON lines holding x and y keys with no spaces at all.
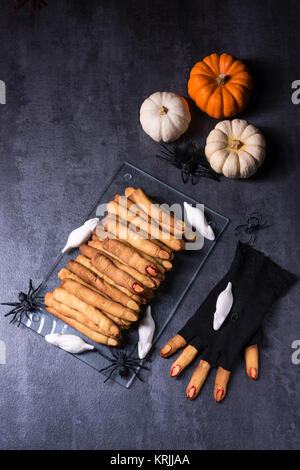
{"x":235,"y":148}
{"x":165,"y":116}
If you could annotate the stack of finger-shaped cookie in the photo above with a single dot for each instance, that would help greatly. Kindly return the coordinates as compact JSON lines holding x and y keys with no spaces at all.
{"x":118,"y":269}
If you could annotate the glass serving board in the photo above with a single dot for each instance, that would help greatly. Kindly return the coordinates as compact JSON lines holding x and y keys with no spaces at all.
{"x":186,"y":266}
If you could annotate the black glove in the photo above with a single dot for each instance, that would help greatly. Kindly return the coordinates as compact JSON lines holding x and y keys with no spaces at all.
{"x":256,"y":283}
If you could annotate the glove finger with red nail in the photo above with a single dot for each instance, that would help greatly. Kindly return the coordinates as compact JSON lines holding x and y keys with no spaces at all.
{"x":229,"y":320}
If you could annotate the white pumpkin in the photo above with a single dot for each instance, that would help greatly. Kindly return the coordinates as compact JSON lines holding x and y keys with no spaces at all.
{"x":165,"y":116}
{"x":235,"y":148}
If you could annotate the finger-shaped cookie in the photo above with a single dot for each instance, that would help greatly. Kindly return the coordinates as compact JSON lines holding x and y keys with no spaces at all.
{"x":138,"y":228}
{"x":91,"y":334}
{"x":97,"y":300}
{"x":123,"y":324}
{"x":120,"y":230}
{"x":88,"y":276}
{"x":186,"y":357}
{"x":198,"y":379}
{"x":100,"y":233}
{"x":157,"y":262}
{"x":164,"y":247}
{"x":105,"y":324}
{"x":161,"y":264}
{"x":109,"y":269}
{"x":88,"y":264}
{"x":130,"y":256}
{"x":166,"y":220}
{"x":88,"y":251}
{"x":145,"y":279}
{"x":222,"y":377}
{"x":71,"y":313}
{"x":165,"y":263}
{"x":66,"y":274}
{"x":98,"y":246}
{"x":252,"y":359}
{"x":132,"y":207}
{"x":177,"y":342}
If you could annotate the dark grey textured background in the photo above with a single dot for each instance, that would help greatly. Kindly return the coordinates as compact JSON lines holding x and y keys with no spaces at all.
{"x":76,"y":74}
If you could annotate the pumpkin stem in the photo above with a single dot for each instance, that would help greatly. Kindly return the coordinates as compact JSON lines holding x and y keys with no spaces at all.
{"x":222,"y":79}
{"x":235,"y":144}
{"x":162,"y":110}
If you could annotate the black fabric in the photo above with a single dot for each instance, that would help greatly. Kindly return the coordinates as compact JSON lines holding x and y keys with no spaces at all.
{"x":256,"y":283}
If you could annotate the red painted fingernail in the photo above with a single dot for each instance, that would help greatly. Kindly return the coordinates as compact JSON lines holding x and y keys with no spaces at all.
{"x":136,"y":287}
{"x":191,"y":393}
{"x":175,"y":370}
{"x":253,"y":373}
{"x":219,"y":394}
{"x":151,"y":270}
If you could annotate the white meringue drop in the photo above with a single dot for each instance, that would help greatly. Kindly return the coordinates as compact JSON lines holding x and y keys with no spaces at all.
{"x":80,"y":234}
{"x":223,"y":306}
{"x":196,"y":218}
{"x":146,"y":331}
{"x":70,"y":343}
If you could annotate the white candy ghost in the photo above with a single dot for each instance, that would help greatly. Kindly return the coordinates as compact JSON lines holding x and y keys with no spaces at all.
{"x":223,"y":306}
{"x":70,"y":343}
{"x":146,"y":332}
{"x":196,"y":218}
{"x":80,"y":234}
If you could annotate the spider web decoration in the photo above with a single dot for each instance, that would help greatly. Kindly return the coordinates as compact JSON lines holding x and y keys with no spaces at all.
{"x":34,"y":4}
{"x":29,"y":302}
{"x":190,"y":160}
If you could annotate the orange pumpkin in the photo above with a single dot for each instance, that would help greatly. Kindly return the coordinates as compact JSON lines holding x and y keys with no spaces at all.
{"x":220,"y":85}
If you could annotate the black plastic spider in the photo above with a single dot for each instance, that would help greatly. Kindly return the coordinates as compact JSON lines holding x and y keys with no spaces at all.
{"x":249,"y":230}
{"x":34,"y":4}
{"x":188,"y":159}
{"x":122,"y":361}
{"x":27,"y":303}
